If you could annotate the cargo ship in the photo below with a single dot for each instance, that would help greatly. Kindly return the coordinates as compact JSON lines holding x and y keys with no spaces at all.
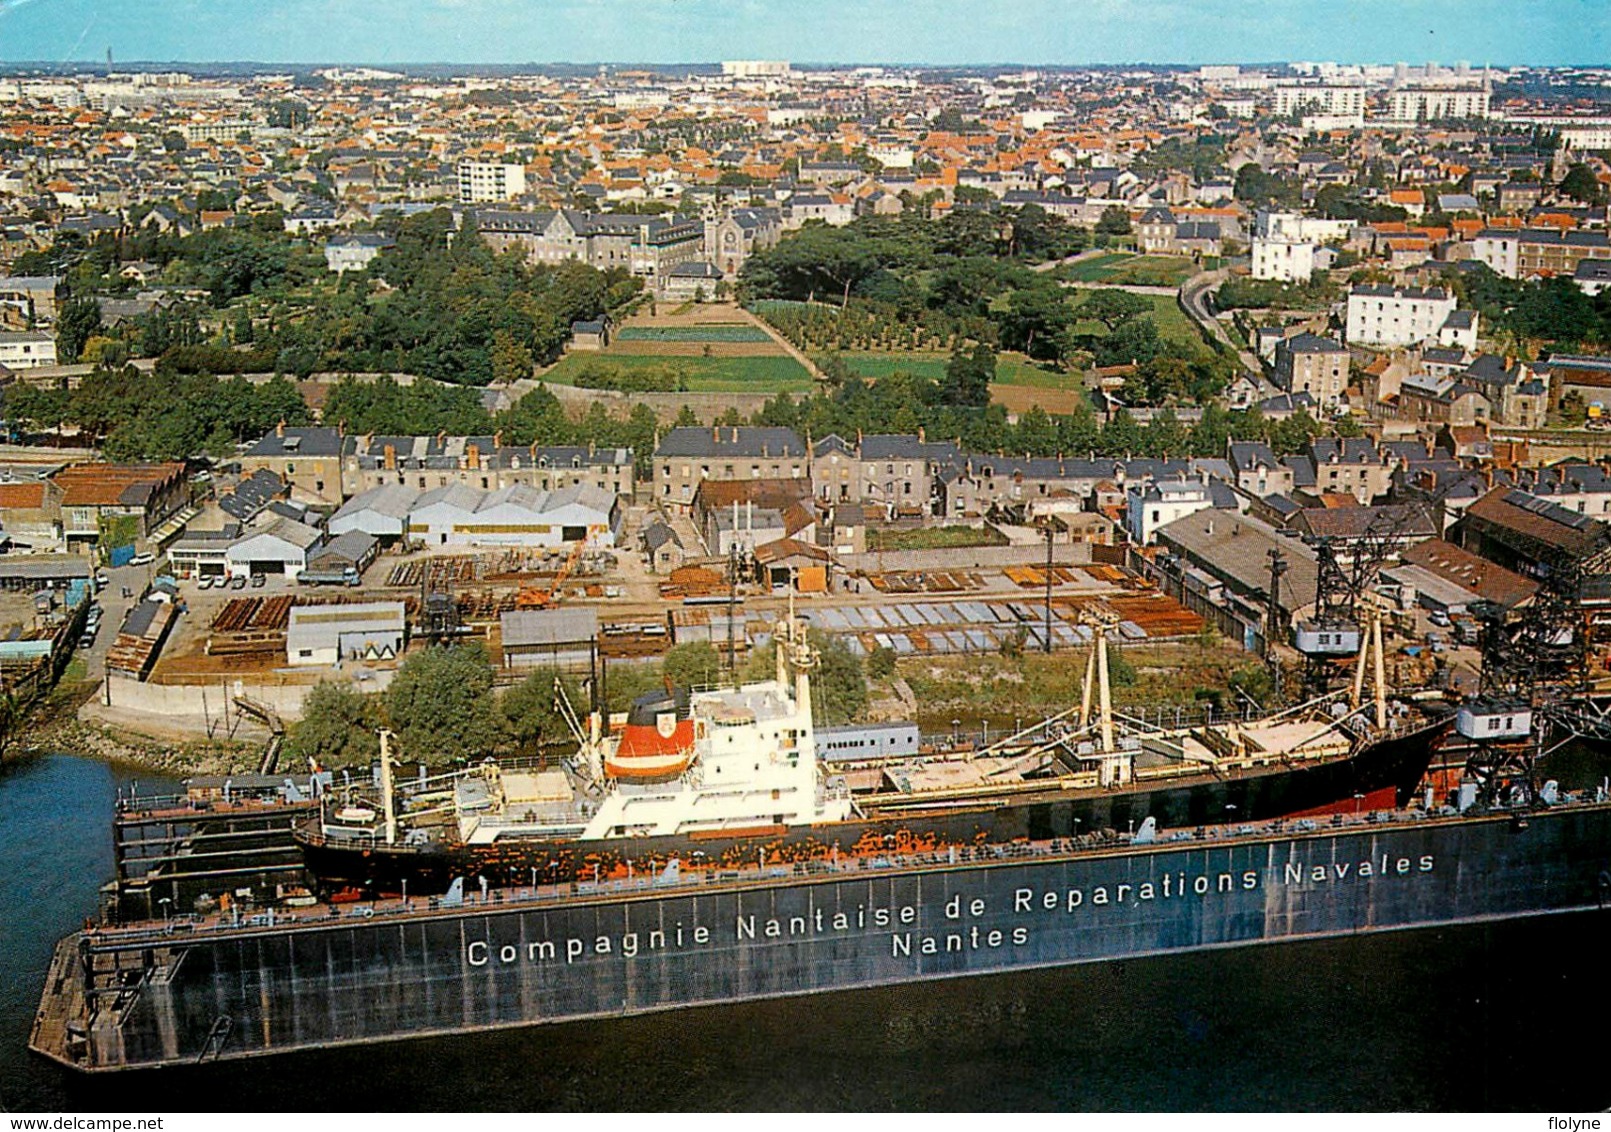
{"x":732,"y":776}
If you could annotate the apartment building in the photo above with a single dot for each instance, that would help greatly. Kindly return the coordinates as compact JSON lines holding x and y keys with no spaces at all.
{"x":481,"y":182}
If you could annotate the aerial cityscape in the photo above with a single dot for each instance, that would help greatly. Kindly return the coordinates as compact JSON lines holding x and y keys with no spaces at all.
{"x":504,"y":540}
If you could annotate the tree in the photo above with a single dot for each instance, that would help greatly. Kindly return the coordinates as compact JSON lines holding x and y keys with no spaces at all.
{"x":75,"y":325}
{"x":693,"y":664}
{"x":530,"y":713}
{"x":511,"y":360}
{"x":881,"y":663}
{"x":337,"y":727}
{"x":968,"y":376}
{"x":1115,"y":221}
{"x":1111,"y":307}
{"x":440,"y":703}
{"x":1581,"y":185}
{"x":174,"y":142}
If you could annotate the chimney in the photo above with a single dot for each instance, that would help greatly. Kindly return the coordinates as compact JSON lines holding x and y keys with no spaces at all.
{"x":472,"y":456}
{"x":735,"y":434}
{"x":921,"y":438}
{"x":279,"y":429}
{"x":391,"y":457}
{"x":341,"y":429}
{"x":497,"y":439}
{"x":715,"y":434}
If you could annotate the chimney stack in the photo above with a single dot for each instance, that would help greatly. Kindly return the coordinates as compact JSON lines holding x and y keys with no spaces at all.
{"x":391,"y":457}
{"x":472,"y":456}
{"x":279,"y":429}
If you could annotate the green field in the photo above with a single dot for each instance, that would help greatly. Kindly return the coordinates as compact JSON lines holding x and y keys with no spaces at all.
{"x":1122,"y":267}
{"x":1171,"y":321}
{"x":708,"y":332}
{"x":703,"y":375}
{"x":934,"y":538}
{"x":1011,"y":369}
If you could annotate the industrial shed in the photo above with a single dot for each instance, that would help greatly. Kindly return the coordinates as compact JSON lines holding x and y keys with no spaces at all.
{"x":381,"y":512}
{"x":544,"y":638}
{"x":353,"y":550}
{"x":457,"y":515}
{"x":280,"y":547}
{"x":329,"y":634}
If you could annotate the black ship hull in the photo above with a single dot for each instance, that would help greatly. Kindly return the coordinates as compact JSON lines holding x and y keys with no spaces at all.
{"x":1397,"y":762}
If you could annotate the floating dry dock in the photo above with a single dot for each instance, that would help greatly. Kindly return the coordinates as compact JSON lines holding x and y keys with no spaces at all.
{"x":179,"y":993}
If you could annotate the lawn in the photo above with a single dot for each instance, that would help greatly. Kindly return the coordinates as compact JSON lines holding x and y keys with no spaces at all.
{"x":707,"y":332}
{"x":703,"y":375}
{"x":1011,"y":368}
{"x":934,"y":538}
{"x":1093,"y":270}
{"x":1140,"y":270}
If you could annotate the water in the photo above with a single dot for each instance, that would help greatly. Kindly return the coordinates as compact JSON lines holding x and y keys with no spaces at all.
{"x":1495,"y":1017}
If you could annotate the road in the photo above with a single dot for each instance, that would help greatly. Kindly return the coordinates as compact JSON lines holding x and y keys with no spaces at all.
{"x":1194,"y":299}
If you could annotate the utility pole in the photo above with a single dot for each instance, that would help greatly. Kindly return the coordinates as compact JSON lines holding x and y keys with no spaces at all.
{"x":1047,"y":531}
{"x":1272,"y":619}
{"x":732,"y":610}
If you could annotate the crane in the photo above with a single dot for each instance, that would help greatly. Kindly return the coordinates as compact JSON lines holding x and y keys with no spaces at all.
{"x":540,"y":597}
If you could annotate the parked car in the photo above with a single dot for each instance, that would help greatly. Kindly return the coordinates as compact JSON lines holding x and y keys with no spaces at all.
{"x":258,"y":580}
{"x":102,"y":580}
{"x":143,"y":559}
{"x":1438,"y":617}
{"x":87,"y":640}
{"x":237,"y":583}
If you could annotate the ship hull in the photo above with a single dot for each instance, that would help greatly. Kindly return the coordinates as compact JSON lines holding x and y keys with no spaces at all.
{"x":1396,"y":763}
{"x":370,"y":974}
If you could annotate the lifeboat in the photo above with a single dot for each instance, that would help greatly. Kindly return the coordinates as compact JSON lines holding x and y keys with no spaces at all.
{"x":657,"y":741}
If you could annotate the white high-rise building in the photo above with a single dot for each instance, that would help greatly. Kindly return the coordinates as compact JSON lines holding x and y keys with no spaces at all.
{"x":1419,"y":104}
{"x":1342,"y":101}
{"x":755,"y":68}
{"x":483,"y":181}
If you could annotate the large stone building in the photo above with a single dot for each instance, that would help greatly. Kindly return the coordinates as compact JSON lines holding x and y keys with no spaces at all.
{"x":1527,"y":252}
{"x":686,"y":457}
{"x":1307,"y":363}
{"x":326,"y":465}
{"x":647,"y":246}
{"x":898,"y":473}
{"x":484,"y":462}
{"x":1380,"y":315}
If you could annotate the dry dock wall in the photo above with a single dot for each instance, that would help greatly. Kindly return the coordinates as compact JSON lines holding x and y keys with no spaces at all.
{"x":362,"y":979}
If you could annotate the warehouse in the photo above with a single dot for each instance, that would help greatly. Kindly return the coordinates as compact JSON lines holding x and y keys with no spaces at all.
{"x":352,"y":551}
{"x":279,"y":547}
{"x":457,"y":515}
{"x":549,"y":638}
{"x":330,"y":634}
{"x":381,"y":512}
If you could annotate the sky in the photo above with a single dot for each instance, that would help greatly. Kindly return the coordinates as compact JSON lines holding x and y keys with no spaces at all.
{"x":1069,"y":32}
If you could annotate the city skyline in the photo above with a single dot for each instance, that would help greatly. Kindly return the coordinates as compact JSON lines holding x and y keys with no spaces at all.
{"x":931,"y":32}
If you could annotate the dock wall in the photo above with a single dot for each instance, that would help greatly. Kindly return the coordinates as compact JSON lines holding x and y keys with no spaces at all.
{"x":365,"y":977}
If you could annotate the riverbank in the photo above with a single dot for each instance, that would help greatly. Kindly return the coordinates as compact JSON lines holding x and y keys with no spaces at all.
{"x":55,"y":726}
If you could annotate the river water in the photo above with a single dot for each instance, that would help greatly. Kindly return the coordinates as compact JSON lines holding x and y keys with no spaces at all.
{"x":1496,"y":1017}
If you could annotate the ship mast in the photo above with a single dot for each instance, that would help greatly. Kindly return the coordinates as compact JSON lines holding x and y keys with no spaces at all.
{"x":387,"y":802}
{"x":1372,"y":655}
